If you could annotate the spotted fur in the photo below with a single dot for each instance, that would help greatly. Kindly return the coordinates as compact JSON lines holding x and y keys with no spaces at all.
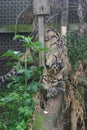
{"x":57,"y":65}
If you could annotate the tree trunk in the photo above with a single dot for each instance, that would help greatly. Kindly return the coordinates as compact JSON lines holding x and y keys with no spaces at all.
{"x":82,"y":81}
{"x":81,"y":16}
{"x":52,"y":120}
{"x":54,"y":107}
{"x":74,"y":120}
{"x":64,"y":16}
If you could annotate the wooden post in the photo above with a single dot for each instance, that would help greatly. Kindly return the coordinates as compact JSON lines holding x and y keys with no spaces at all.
{"x":41,"y":8}
{"x":41,"y":39}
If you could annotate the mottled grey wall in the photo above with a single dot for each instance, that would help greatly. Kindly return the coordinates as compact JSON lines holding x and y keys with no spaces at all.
{"x":9,"y":10}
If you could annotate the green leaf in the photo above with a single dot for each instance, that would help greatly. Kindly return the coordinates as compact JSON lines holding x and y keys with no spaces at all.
{"x":10,"y":84}
{"x":20,"y":71}
{"x":18,"y":37}
{"x":11,"y":54}
{"x":21,"y":126}
{"x":27,"y":45}
{"x":21,"y":110}
{"x":27,"y":102}
{"x":25,"y":110}
{"x":33,"y":87}
{"x":28,"y":40}
{"x":8,"y":53}
{"x":26,"y":95}
{"x":27,"y":73}
{"x":37,"y":45}
{"x":10,"y":97}
{"x":2,"y":103}
{"x":33,"y":68}
{"x":44,"y":49}
{"x":21,"y":88}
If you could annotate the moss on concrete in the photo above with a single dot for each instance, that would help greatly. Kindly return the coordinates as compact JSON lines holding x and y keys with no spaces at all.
{"x":38,"y":123}
{"x":20,"y":28}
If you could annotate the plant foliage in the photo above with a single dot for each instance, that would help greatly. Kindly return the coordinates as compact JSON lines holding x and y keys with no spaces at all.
{"x":77,"y":47}
{"x":17,"y":102}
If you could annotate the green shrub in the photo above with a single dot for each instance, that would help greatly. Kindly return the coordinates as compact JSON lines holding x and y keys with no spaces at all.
{"x":77,"y":47}
{"x":17,"y":103}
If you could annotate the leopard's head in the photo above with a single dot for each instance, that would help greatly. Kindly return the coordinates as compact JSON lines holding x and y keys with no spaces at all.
{"x":51,"y":78}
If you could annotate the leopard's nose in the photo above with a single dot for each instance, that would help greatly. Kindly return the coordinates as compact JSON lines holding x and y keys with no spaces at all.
{"x":47,"y":66}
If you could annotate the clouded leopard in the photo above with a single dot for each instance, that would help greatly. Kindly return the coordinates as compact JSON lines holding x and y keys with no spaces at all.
{"x":57,"y":66}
